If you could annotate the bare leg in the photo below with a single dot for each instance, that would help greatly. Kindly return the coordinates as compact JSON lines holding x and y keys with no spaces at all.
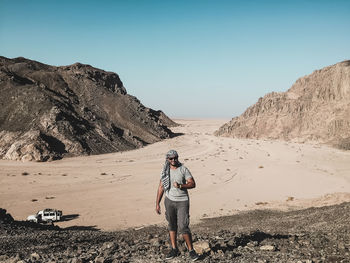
{"x":173,"y":235}
{"x":188,"y":240}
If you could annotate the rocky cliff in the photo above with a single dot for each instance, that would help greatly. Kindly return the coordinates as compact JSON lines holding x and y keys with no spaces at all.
{"x":315,"y":108}
{"x":50,"y":112}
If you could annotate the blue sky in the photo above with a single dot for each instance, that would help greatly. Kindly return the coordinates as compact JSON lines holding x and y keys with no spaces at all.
{"x":191,"y":58}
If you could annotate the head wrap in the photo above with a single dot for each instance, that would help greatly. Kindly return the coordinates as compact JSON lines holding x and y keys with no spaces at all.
{"x":171,"y":153}
{"x":166,"y":169}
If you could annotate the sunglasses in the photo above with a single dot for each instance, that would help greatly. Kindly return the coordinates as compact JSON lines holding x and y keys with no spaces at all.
{"x":172,"y":158}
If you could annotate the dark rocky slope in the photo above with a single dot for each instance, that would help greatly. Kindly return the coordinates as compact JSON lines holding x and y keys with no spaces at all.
{"x":316,"y":108}
{"x":49,"y":112}
{"x":312,"y":235}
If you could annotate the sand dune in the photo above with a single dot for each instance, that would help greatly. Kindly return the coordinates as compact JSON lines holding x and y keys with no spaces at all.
{"x":116,"y":191}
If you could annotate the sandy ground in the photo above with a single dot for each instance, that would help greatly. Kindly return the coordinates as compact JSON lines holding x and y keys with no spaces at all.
{"x":117,"y":191}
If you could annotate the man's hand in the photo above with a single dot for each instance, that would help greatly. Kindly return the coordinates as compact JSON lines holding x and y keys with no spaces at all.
{"x":160,"y":193}
{"x":176,"y":185}
{"x":158,"y":209}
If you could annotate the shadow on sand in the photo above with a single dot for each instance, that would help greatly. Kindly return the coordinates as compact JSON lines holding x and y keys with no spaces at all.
{"x":173,"y":135}
{"x":69,"y":217}
{"x":82,"y":228}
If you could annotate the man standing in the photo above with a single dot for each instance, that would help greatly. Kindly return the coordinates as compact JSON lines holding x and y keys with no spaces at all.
{"x":175,"y":180}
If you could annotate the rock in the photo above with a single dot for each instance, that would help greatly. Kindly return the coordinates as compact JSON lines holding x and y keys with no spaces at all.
{"x":201,"y":247}
{"x":231,"y":243}
{"x":111,"y":246}
{"x":252,"y":244}
{"x":155,"y":242}
{"x":99,"y":259}
{"x":3,"y":258}
{"x":34,"y":256}
{"x":5,"y":217}
{"x":267,"y":248}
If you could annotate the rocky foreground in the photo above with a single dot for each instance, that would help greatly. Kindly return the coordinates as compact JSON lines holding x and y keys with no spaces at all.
{"x":50,"y":112}
{"x":310,"y":235}
{"x":316,"y":108}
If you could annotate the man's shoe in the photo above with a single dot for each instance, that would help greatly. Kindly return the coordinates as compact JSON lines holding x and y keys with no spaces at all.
{"x":193,"y":255}
{"x":174,"y":252}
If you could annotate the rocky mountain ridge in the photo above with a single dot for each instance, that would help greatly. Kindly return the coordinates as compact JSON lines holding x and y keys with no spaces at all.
{"x":49,"y":112}
{"x":316,"y":108}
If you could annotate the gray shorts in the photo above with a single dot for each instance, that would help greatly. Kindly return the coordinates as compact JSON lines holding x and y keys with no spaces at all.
{"x":178,"y":216}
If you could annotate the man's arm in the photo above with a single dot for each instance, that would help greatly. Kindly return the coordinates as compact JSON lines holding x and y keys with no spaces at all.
{"x":190,"y":183}
{"x":160,"y":193}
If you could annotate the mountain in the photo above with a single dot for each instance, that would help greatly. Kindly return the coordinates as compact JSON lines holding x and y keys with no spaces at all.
{"x":316,"y":108}
{"x":50,"y":112}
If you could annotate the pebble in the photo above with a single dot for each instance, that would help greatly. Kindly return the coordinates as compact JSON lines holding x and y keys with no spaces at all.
{"x":34,"y":256}
{"x":267,"y":247}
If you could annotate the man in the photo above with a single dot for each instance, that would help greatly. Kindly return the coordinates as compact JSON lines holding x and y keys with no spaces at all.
{"x":175,"y":180}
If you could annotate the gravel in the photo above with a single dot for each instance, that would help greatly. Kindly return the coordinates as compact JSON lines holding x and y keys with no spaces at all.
{"x":304,"y":236}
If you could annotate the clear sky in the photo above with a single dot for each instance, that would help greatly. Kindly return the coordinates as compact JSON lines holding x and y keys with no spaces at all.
{"x":189,"y":58}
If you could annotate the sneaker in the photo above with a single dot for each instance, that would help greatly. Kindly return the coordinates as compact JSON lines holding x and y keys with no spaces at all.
{"x":193,"y":255}
{"x":174,"y":252}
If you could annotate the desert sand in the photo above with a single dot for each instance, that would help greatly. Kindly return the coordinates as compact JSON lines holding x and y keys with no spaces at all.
{"x":118,"y":190}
